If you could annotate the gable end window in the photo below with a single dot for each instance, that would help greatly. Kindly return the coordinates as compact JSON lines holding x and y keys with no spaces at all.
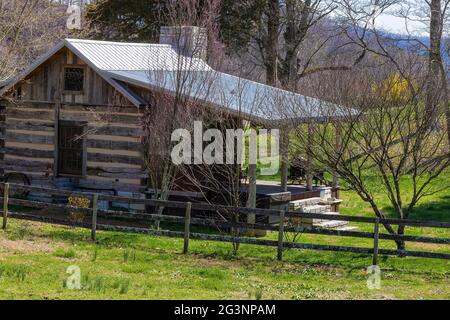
{"x":73,"y":79}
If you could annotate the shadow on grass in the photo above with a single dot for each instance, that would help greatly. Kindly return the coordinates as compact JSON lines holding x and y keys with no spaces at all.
{"x":428,"y":211}
{"x":436,"y":210}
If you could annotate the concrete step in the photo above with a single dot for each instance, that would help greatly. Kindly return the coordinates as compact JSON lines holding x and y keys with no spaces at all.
{"x":315,"y":221}
{"x":322,"y":209}
{"x":346,"y":228}
{"x":325,"y":213}
{"x":297,"y":204}
{"x":331,"y":224}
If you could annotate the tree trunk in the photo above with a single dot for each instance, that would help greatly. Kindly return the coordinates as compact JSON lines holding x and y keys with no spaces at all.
{"x":435,"y":79}
{"x":401,"y":229}
{"x":297,"y":25}
{"x":271,"y":42}
{"x":401,"y":243}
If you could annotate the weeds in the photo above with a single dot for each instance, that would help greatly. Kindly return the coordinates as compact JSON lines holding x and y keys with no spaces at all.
{"x":21,"y":232}
{"x":66,"y":254}
{"x":129,"y":255}
{"x":122,"y":285}
{"x":258,"y":294}
{"x":18,"y":272}
{"x":100,"y":284}
{"x":94,"y":255}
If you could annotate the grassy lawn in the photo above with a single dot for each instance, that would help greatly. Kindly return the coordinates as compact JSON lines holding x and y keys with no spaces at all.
{"x":34,"y":258}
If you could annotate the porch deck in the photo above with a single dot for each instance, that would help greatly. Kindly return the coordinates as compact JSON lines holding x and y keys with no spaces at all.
{"x":273,"y":188}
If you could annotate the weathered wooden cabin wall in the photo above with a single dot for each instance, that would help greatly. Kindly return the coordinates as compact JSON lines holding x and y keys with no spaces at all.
{"x":46,"y":81}
{"x":112,"y":129}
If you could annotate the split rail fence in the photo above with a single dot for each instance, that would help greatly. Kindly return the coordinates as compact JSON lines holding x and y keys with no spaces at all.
{"x":188,"y":220}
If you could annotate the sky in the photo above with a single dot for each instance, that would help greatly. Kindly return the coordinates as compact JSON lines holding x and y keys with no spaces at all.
{"x":397,"y":25}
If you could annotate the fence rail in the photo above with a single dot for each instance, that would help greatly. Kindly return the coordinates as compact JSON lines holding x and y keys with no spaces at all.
{"x":188,"y":220}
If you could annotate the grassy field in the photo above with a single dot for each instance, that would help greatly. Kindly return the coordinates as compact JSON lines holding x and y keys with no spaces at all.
{"x":34,"y":259}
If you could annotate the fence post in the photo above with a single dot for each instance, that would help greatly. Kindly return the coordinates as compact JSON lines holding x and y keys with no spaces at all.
{"x":376,"y":238}
{"x":280,"y":236}
{"x":5,"y":205}
{"x":94,"y":217}
{"x":187,"y":227}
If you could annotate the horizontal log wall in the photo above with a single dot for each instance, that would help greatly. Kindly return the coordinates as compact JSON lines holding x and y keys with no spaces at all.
{"x":112,"y":134}
{"x":113,"y":147}
{"x":28,"y":140}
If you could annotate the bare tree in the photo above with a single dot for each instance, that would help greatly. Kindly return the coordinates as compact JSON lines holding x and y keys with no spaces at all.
{"x":380,"y":140}
{"x":288,"y":39}
{"x":431,"y":17}
{"x":178,"y":106}
{"x":27,"y":29}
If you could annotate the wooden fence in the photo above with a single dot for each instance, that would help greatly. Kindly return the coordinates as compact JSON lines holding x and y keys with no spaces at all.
{"x":283,"y":228}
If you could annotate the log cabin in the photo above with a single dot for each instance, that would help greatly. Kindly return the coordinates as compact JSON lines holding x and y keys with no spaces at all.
{"x":77,"y":84}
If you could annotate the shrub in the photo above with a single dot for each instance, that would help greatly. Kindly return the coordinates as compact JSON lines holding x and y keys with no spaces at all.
{"x":78,"y":202}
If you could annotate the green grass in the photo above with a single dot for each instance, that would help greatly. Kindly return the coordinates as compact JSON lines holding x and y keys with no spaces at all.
{"x":34,"y":259}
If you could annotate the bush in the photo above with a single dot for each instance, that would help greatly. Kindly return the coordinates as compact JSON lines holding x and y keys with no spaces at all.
{"x":78,"y":202}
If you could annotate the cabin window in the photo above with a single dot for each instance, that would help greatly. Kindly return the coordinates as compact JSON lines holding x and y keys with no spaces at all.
{"x":73,"y":79}
{"x":71,"y":149}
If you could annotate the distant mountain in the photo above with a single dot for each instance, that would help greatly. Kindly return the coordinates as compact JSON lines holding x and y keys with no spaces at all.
{"x":426,"y":41}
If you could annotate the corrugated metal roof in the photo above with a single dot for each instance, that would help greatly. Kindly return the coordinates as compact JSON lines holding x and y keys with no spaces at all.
{"x":236,"y":94}
{"x":135,"y":56}
{"x":4,"y":83}
{"x":159,"y":66}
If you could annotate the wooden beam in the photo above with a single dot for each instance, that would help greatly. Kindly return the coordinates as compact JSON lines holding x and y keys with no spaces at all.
{"x":29,"y":114}
{"x":30,"y":137}
{"x":116,"y":130}
{"x":251,"y":199}
{"x":309,"y":171}
{"x":94,"y":218}
{"x":26,"y":152}
{"x":338,"y":142}
{"x":114,"y":145}
{"x":29,"y":125}
{"x":284,"y":149}
{"x":187,"y":227}
{"x":101,"y":109}
{"x":376,"y":238}
{"x":251,"y":195}
{"x":57,"y":112}
{"x":280,"y":236}
{"x":5,"y":204}
{"x":113,"y":158}
{"x":102,"y":117}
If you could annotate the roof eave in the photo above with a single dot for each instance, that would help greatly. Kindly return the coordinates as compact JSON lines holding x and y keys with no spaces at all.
{"x":146,"y":85}
{"x":33,"y":67}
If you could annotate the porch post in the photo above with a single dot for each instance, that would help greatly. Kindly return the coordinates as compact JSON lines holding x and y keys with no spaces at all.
{"x":337,"y":147}
{"x":251,"y":201}
{"x":338,"y":142}
{"x":284,"y":148}
{"x":309,"y":169}
{"x":251,"y":191}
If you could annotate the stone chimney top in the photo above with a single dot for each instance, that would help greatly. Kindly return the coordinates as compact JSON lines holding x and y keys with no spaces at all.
{"x":186,"y":40}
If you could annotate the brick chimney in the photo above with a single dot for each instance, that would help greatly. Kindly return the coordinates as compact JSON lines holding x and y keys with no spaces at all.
{"x":186,"y":40}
